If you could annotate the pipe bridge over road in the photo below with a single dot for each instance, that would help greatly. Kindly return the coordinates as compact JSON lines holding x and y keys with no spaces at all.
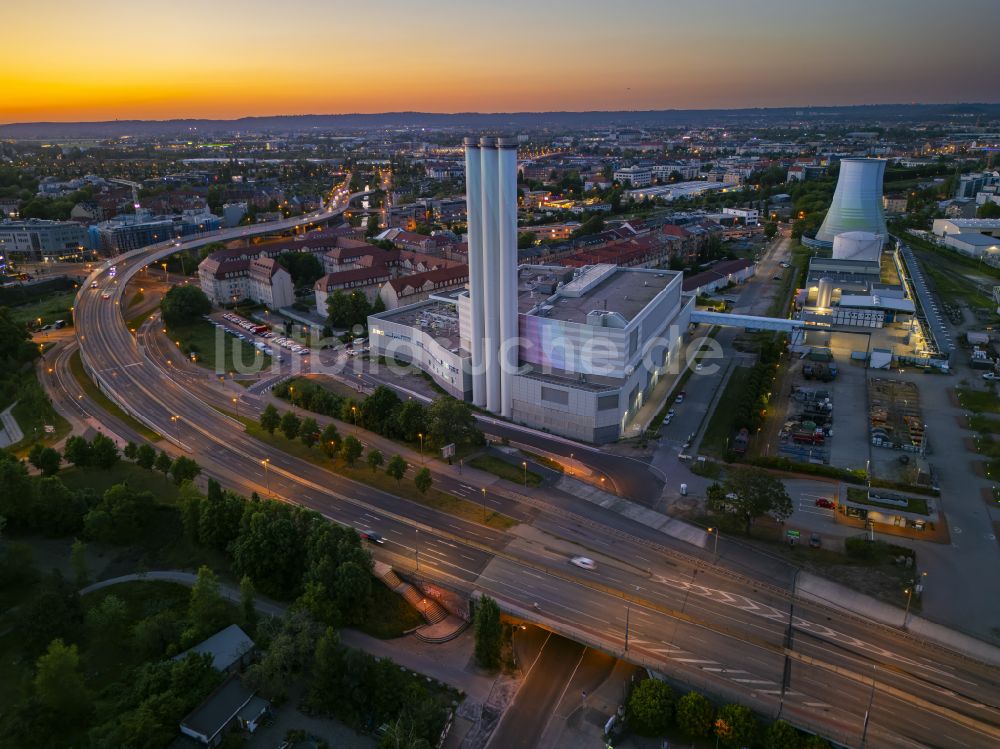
{"x":750,"y":322}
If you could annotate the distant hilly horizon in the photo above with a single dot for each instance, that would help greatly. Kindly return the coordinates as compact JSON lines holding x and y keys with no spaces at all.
{"x":900,"y":113}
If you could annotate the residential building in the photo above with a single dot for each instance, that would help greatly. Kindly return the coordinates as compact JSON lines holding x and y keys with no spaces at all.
{"x":269,"y":283}
{"x":130,"y":232}
{"x":894,"y":204}
{"x":406,"y":290}
{"x":231,"y":649}
{"x":231,"y":705}
{"x":943,"y":227}
{"x":35,"y":238}
{"x":636,"y":176}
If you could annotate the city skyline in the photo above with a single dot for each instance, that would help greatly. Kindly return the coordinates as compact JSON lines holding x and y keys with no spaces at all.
{"x":227,"y":62}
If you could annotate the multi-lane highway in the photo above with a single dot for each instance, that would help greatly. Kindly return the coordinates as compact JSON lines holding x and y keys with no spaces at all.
{"x":734,"y":633}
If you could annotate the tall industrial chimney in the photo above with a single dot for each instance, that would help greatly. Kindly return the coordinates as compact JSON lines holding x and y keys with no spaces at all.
{"x":490,"y":191}
{"x":507,"y":257}
{"x":474,"y":204}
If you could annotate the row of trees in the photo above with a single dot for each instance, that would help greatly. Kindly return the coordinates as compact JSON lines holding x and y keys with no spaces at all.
{"x":652,"y":710}
{"x":750,"y":493}
{"x":349,"y":449}
{"x":345,"y":310}
{"x":446,"y":420}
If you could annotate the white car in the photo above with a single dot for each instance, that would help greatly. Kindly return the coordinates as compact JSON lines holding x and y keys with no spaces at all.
{"x":584,"y":562}
{"x":991,"y":376}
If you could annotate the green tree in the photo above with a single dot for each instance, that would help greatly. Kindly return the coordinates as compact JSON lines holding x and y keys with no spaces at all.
{"x":396,"y":467}
{"x":206,"y":607}
{"x":309,"y":431}
{"x":104,"y":451}
{"x":753,"y":492}
{"x":353,"y":588}
{"x":695,"y":715}
{"x":59,"y":683}
{"x":650,"y":708}
{"x":451,"y":420}
{"x":735,"y":725}
{"x":770,"y":229}
{"x":145,"y":456}
{"x":269,"y":418}
{"x":351,"y":449}
{"x":290,"y":424}
{"x":815,"y":742}
{"x":423,"y":480}
{"x":488,"y":633}
{"x":54,"y":612}
{"x":375,"y":459}
{"x":163,"y":463}
{"x":411,"y":420}
{"x":78,"y":561}
{"x":248,"y":602}
{"x":107,"y":622}
{"x":45,"y":459}
{"x":330,"y":440}
{"x":781,"y":735}
{"x":988,"y":210}
{"x":184,"y":469}
{"x":402,"y":734}
{"x":130,"y":451}
{"x":184,"y":304}
{"x":378,"y":412}
{"x":78,"y":451}
{"x":120,"y":515}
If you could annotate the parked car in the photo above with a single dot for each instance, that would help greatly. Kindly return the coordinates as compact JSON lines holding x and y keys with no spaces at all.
{"x":815,"y":541}
{"x":584,"y":562}
{"x":680,"y":397}
{"x":991,"y":376}
{"x":824,"y":502}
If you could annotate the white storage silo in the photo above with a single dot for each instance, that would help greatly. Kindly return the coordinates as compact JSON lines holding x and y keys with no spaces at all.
{"x":824,"y":296}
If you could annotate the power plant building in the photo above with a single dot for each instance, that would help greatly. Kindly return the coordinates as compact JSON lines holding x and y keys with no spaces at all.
{"x":857,"y":201}
{"x":574,"y":351}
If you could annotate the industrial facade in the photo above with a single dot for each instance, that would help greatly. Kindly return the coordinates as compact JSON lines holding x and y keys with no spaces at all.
{"x":575,"y":351}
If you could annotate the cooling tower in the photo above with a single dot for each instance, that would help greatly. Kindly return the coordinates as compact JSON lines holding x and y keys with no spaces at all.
{"x":857,"y":202}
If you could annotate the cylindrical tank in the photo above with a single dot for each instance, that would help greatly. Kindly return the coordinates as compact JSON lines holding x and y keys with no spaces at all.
{"x":824,"y":297}
{"x":857,"y":245}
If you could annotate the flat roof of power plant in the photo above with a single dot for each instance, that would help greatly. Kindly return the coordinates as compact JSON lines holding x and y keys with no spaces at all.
{"x":439,"y":319}
{"x":608,"y":288}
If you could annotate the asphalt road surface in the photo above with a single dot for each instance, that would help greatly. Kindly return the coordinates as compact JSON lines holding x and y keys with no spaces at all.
{"x":725,"y":631}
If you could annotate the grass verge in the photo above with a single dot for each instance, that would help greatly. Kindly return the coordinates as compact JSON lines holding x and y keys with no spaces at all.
{"x":859,"y":495}
{"x":720,"y":426}
{"x":498,"y":467}
{"x":379,"y":479}
{"x":216,"y":351}
{"x":105,"y":403}
{"x":543,"y":460}
{"x":393,"y":616}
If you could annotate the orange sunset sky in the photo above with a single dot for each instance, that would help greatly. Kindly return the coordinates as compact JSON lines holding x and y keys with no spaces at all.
{"x":109,"y":59}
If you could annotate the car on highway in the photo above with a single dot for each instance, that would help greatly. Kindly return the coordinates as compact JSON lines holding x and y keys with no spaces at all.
{"x":584,"y":563}
{"x":105,"y":295}
{"x":372,"y":537}
{"x":93,"y":284}
{"x":991,"y":376}
{"x":824,"y":502}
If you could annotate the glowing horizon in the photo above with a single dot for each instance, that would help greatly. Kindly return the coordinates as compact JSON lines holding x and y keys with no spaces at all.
{"x":116,"y":60}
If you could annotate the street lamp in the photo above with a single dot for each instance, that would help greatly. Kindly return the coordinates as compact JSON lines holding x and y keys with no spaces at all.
{"x":420,"y":435}
{"x":267,"y":478}
{"x":914,"y":587}
{"x":715,"y":549}
{"x":484,"y":503}
{"x":175,"y":420}
{"x":524,"y":466}
{"x":354,"y":413}
{"x":236,"y":402}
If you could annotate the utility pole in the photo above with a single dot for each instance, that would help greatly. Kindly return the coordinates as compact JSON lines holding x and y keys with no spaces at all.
{"x":868,"y":710}
{"x":628,"y":611}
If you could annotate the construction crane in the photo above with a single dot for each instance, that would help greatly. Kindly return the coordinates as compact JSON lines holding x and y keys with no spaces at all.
{"x":135,"y":191}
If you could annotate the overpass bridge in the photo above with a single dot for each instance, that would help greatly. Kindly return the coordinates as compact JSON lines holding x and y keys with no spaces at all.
{"x":750,"y":322}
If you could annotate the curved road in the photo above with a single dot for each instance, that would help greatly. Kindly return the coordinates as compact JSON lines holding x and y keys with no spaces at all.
{"x":724,"y":632}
